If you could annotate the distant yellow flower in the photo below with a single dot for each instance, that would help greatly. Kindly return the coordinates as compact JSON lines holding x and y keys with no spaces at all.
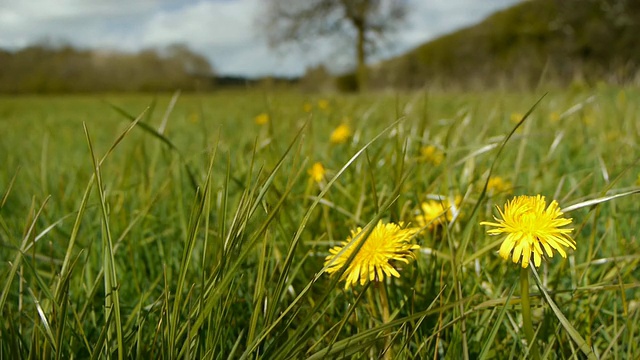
{"x":554,"y":117}
{"x":621,"y":99}
{"x":317,"y":172}
{"x":307,"y":107}
{"x":262,"y":119}
{"x":431,"y":154}
{"x":638,"y":180}
{"x":532,"y":229}
{"x":323,"y":104}
{"x":588,"y":119}
{"x":516,"y":117}
{"x":613,"y":135}
{"x":341,"y":134}
{"x":434,"y":213}
{"x":498,"y":185}
{"x":194,"y":118}
{"x":386,"y":243}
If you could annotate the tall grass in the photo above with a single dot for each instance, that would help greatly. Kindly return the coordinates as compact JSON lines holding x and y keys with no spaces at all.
{"x":176,"y":227}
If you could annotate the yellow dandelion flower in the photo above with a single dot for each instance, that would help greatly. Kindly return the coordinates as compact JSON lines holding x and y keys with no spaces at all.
{"x":613,"y":135}
{"x":386,"y":243}
{"x":341,"y":134}
{"x":516,"y":117}
{"x":532,"y":229}
{"x":431,"y":154}
{"x":621,"y":99}
{"x":262,"y":119}
{"x":498,"y":185}
{"x":323,"y":104}
{"x":317,"y":172}
{"x":554,"y":117}
{"x":307,"y":107}
{"x":194,"y":118}
{"x":588,"y":119}
{"x":434,"y":213}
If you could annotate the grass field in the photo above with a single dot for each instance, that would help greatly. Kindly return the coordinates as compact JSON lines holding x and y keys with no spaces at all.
{"x":202,"y":231}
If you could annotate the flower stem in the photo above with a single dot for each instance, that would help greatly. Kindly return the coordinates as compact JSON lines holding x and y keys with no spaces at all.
{"x":526,"y":314}
{"x":384,"y":302}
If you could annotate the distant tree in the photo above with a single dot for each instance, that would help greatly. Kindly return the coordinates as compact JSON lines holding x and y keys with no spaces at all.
{"x":295,"y":21}
{"x":191,"y":62}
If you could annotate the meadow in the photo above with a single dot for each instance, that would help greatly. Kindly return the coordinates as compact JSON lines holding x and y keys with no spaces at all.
{"x":197,"y":225}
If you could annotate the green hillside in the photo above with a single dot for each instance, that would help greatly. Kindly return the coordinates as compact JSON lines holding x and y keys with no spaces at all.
{"x":548,"y":41}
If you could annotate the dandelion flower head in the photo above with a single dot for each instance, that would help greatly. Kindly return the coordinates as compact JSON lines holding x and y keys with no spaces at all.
{"x":532,"y":229}
{"x":434,"y":213}
{"x":316,"y":172}
{"x":588,"y":119}
{"x":614,"y":136}
{"x":515,"y":117}
{"x":323,"y":104}
{"x":386,"y":243}
{"x":498,"y":185}
{"x":307,"y":107}
{"x":431,"y":154}
{"x":621,"y":98}
{"x":340,"y":134}
{"x":262,"y":119}
{"x":194,"y":118}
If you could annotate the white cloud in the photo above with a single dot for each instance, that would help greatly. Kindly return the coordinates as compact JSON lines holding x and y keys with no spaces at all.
{"x":203,"y":23}
{"x":85,"y":23}
{"x":224,"y":31}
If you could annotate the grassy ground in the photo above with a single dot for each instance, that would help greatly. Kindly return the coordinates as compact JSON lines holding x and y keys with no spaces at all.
{"x":199,"y":233}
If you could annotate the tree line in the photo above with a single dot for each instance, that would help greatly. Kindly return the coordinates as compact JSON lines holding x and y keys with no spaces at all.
{"x":537,"y":42}
{"x":533,"y":43}
{"x":43,"y":68}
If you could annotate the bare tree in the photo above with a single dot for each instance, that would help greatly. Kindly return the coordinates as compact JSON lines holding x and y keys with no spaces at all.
{"x":296,"y":21}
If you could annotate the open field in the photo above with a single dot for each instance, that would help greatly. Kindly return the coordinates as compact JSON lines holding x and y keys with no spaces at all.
{"x":201,"y":233}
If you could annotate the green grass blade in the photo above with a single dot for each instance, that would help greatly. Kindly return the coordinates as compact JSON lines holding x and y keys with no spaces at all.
{"x":194,"y":225}
{"x":167,"y":113}
{"x":111,"y":286}
{"x":494,"y":164}
{"x":215,"y":289}
{"x":102,"y":338}
{"x":296,"y":238}
{"x":45,"y":322}
{"x":573,"y":333}
{"x":144,"y":126}
{"x":9,"y":187}
{"x":153,"y":132}
{"x":74,"y":233}
{"x":235,"y":347}
{"x":597,"y":201}
{"x":488,"y":344}
{"x":122,"y":135}
{"x":15,"y":264}
{"x":378,"y":331}
{"x":345,"y":317}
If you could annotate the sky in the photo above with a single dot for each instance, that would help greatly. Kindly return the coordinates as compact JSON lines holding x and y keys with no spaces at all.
{"x":224,"y":31}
